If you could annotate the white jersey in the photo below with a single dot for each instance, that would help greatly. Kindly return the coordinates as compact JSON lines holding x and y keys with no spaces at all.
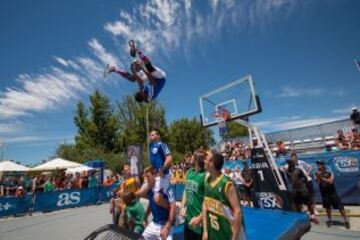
{"x":237,"y":178}
{"x":134,"y":165}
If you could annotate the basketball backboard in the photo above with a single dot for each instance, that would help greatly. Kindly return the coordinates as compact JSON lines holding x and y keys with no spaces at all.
{"x":238,"y":97}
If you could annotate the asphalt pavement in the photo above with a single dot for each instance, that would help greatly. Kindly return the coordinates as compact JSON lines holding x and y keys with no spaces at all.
{"x":77,"y":223}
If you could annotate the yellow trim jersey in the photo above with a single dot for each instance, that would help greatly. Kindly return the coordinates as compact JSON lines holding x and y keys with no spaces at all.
{"x":218,"y":211}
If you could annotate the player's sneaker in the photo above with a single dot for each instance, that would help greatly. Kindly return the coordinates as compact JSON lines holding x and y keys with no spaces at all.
{"x":132,"y":48}
{"x":347,"y":224}
{"x":328,"y":223}
{"x":314,"y":219}
{"x":108,"y":69}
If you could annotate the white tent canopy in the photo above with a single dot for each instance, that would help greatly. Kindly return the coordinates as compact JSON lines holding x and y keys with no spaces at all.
{"x":79,"y":169}
{"x":57,"y":163}
{"x":9,"y":166}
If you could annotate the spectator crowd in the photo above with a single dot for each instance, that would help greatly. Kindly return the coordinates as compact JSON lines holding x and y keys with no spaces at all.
{"x":45,"y":182}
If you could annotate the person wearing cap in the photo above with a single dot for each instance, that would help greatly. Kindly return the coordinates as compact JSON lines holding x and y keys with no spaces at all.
{"x":355,"y":116}
{"x":20,"y":192}
{"x":330,"y":198}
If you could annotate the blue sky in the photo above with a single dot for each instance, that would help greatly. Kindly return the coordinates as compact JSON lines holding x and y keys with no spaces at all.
{"x":299,"y":52}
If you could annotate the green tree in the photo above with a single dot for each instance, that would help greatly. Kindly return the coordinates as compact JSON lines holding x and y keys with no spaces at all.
{"x":97,"y":126}
{"x":68,"y":152}
{"x":131,"y":117}
{"x":236,"y":130}
{"x":187,"y":135}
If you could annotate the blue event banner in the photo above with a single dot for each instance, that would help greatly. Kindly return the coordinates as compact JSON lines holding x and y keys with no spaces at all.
{"x":14,"y":205}
{"x":57,"y":200}
{"x":343,"y":164}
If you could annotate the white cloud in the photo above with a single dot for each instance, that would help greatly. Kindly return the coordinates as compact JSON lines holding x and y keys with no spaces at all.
{"x":9,"y":127}
{"x":39,"y":92}
{"x":285,"y":123}
{"x":62,"y":61}
{"x":161,"y":25}
{"x":165,"y":24}
{"x":55,"y":86}
{"x":289,"y":91}
{"x":100,"y":52}
{"x":37,"y":139}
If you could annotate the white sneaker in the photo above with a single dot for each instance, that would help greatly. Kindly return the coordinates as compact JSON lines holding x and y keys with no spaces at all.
{"x":108,"y":69}
{"x":316,"y":212}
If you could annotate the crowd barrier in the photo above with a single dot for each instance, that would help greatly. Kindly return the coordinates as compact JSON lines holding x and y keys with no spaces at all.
{"x":15,"y":206}
{"x":52,"y":201}
{"x":343,"y":164}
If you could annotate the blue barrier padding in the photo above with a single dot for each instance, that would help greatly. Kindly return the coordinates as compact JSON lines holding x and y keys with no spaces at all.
{"x":14,"y":205}
{"x":267,"y":224}
{"x":57,"y":200}
{"x":274,"y":224}
{"x":107,"y":192}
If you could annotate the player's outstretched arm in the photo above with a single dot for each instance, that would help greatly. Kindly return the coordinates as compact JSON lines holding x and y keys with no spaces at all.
{"x":183,"y":203}
{"x":236,"y":224}
{"x":166,"y":229}
{"x":139,"y":81}
{"x":147,"y":213}
{"x":204,"y":223}
{"x":143,"y":191}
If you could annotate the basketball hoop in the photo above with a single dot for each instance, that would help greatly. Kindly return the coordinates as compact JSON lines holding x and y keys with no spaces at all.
{"x":222,"y":115}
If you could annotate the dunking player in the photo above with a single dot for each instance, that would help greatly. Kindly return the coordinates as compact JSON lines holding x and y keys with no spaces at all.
{"x":150,"y":78}
{"x":221,"y":208}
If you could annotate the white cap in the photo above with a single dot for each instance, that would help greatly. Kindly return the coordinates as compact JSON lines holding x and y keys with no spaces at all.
{"x":354,"y":108}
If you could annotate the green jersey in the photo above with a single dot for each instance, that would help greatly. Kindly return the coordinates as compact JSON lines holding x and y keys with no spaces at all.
{"x":218,"y":213}
{"x":48,"y":187}
{"x":194,"y":190}
{"x":135,"y":212}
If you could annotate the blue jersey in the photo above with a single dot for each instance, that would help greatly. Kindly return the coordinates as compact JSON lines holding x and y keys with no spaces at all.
{"x":160,"y":214}
{"x":158,"y":153}
{"x":152,"y":91}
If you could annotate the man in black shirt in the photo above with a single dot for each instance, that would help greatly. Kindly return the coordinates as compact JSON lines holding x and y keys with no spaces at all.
{"x":329,"y":196}
{"x":299,"y":191}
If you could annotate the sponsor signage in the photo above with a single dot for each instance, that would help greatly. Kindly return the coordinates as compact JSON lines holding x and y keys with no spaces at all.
{"x":266,"y":190}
